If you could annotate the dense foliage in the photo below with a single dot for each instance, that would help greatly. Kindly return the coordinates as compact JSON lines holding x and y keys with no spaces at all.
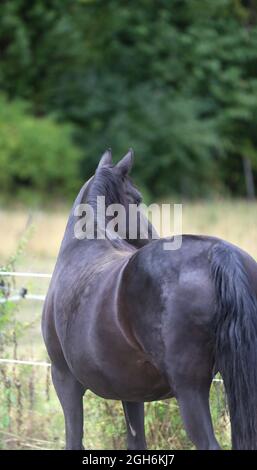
{"x":35,"y":154}
{"x":175,"y":79}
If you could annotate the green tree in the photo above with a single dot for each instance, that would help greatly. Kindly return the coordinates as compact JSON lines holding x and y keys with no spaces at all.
{"x":174,"y":79}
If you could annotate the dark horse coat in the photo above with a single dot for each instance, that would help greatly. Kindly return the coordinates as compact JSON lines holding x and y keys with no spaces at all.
{"x":135,"y":323}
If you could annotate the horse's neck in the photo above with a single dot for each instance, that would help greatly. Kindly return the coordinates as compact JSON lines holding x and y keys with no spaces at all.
{"x":145,"y":232}
{"x":69,"y":234}
{"x":146,"y":228}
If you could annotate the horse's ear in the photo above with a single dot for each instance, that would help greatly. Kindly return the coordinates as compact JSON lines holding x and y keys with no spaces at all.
{"x":126,"y":163}
{"x":106,"y":159}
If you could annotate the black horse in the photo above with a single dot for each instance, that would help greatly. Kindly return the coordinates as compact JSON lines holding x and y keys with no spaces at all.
{"x":135,"y":323}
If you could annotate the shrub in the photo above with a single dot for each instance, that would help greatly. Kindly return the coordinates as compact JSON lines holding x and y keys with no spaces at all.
{"x":36,"y":153}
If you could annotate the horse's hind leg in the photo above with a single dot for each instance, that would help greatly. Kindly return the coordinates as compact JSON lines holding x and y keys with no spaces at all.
{"x":195,"y":412}
{"x":70,"y":393}
{"x":134,"y":414}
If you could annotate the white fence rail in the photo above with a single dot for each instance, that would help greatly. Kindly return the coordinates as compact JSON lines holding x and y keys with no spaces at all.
{"x":19,"y":274}
{"x":17,"y":298}
{"x":25,"y":363}
{"x":22,"y":294}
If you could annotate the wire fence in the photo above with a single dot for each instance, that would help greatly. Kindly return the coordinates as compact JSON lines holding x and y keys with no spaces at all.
{"x":14,"y":295}
{"x":23,"y":292}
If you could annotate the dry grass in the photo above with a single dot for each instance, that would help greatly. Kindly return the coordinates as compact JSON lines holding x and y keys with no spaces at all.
{"x":42,"y":248}
{"x":234,"y":221}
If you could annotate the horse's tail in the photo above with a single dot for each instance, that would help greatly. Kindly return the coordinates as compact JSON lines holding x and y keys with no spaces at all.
{"x":235,"y":327}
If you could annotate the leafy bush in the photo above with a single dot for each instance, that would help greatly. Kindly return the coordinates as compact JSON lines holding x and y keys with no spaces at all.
{"x":35,"y":153}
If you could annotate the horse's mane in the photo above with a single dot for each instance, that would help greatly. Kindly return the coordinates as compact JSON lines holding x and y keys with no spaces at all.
{"x":105,"y":184}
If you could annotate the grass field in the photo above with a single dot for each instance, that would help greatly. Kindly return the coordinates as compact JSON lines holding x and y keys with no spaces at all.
{"x":31,"y":415}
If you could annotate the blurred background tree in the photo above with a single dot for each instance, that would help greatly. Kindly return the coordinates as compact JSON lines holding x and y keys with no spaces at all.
{"x":174,"y":79}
